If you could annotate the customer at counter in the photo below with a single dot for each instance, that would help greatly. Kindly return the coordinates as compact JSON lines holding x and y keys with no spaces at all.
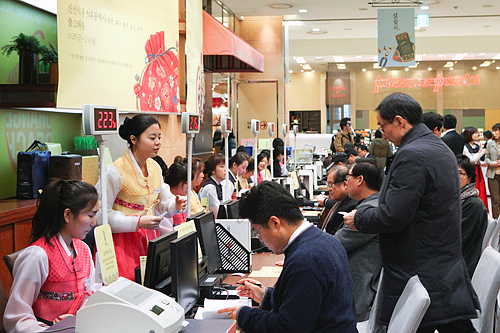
{"x":344,"y":136}
{"x":493,"y":159}
{"x":314,"y":290}
{"x":212,"y":193}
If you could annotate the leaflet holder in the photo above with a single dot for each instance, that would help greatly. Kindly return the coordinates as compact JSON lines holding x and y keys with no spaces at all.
{"x":234,"y":256}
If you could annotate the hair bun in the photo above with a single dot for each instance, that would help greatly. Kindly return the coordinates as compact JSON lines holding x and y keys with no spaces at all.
{"x":124,"y":131}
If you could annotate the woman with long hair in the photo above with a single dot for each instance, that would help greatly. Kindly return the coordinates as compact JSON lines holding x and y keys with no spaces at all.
{"x":474,"y":152}
{"x":54,"y":276}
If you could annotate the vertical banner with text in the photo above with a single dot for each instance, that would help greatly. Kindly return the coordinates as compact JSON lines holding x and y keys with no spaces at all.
{"x":396,"y":37}
{"x":122,"y":53}
{"x":195,"y":102}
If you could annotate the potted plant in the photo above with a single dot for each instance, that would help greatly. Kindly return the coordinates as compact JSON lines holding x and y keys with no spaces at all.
{"x":28,"y":48}
{"x":50,"y":57}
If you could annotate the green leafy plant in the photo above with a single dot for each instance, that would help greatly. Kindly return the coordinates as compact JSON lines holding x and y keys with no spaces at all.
{"x":22,"y":42}
{"x":49,"y":54}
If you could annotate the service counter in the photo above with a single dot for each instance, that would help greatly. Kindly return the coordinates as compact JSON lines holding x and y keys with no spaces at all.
{"x":15,"y":231}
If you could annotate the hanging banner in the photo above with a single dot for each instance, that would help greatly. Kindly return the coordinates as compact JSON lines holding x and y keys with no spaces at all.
{"x":195,"y":102}
{"x":396,"y":37}
{"x":121,"y":53}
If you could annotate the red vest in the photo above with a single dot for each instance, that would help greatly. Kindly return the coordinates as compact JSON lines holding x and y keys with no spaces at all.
{"x":64,"y":290}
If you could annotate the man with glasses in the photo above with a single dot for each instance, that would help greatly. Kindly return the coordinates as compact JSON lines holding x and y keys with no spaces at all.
{"x":363,"y":183}
{"x":418,"y":221}
{"x":337,"y":188}
{"x":344,"y":136}
{"x":314,"y":290}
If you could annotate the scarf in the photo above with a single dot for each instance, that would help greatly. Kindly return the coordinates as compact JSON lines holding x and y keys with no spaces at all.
{"x":468,"y":191}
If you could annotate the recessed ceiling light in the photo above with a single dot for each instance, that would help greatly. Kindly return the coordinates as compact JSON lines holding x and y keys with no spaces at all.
{"x":429,"y":69}
{"x":315,"y":29}
{"x":485,"y":64}
{"x":363,"y":70}
{"x":363,"y":8}
{"x":474,"y":68}
{"x":440,"y":55}
{"x":318,"y":58}
{"x":375,"y":65}
{"x":449,"y":64}
{"x":424,"y":7}
{"x":280,"y":6}
{"x":302,"y":71}
{"x":290,"y":71}
{"x":407,"y":69}
{"x":384,"y":69}
{"x":496,"y":57}
{"x":302,"y":11}
{"x":300,"y":60}
{"x":451,"y":68}
{"x":294,"y":23}
{"x":358,"y":57}
{"x":418,"y":57}
{"x":498,"y":67}
{"x":482,"y":54}
{"x":313,"y":71}
{"x":341,"y":66}
{"x":458,"y":57}
{"x":339,"y":58}
{"x":306,"y":66}
{"x":417,"y":28}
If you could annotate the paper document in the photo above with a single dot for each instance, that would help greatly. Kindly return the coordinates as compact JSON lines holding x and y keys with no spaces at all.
{"x":267,"y":271}
{"x":210,"y":307}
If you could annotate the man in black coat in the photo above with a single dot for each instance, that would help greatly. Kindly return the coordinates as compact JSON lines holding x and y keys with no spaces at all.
{"x":418,"y":221}
{"x":451,"y":137}
{"x":337,"y":188}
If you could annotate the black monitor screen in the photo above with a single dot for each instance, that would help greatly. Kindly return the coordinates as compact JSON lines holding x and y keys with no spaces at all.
{"x":205,"y":226}
{"x":222,"y":213}
{"x":232,"y":210}
{"x":185,"y":287}
{"x":158,"y":262}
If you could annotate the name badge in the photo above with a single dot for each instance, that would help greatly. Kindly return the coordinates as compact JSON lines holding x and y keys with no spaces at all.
{"x":157,"y":190}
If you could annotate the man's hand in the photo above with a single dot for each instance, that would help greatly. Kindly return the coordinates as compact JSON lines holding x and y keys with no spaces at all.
{"x":231,"y":312}
{"x":349,"y":220}
{"x":251,"y":289}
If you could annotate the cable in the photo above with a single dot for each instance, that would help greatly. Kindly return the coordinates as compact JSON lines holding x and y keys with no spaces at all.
{"x":223,"y":289}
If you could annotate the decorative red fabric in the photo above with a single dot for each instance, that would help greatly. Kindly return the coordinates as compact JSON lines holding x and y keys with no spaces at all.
{"x":158,"y":88}
{"x":481,"y":186}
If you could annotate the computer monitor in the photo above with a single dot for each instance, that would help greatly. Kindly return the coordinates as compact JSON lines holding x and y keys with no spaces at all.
{"x":158,"y":264}
{"x":230,"y":210}
{"x":222,"y":213}
{"x":185,"y":285}
{"x":192,"y":217}
{"x":205,"y":226}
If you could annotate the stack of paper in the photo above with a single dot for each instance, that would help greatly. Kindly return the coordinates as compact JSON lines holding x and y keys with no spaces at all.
{"x":210,"y":307}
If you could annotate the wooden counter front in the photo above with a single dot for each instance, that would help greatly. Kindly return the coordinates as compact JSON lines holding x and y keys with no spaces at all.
{"x":15,"y":231}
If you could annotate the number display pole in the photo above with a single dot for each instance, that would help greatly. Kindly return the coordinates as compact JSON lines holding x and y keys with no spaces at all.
{"x":284,"y":129}
{"x":100,"y":121}
{"x":270,"y":129}
{"x":226,"y":128}
{"x":190,"y":124}
{"x":295,"y":130}
{"x":255,"y":124}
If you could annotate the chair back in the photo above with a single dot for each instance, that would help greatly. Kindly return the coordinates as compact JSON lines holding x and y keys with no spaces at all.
{"x":486,"y":283}
{"x":10,"y":259}
{"x":410,"y":308}
{"x":495,"y":236}
{"x":368,"y":326}
{"x":3,"y":304}
{"x":490,"y":230}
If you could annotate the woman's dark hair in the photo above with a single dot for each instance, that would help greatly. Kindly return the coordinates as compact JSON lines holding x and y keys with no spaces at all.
{"x":467,"y":133}
{"x":378,"y":134}
{"x":217,"y":136}
{"x":278,"y":151}
{"x":196,"y":166}
{"x":488,"y":135}
{"x":495,"y":127}
{"x":177,"y":173}
{"x":56,"y":197}
{"x":241,"y":149}
{"x":469,"y":167}
{"x":212,"y":163}
{"x":163,"y":166}
{"x":136,"y":126}
{"x":238,"y":159}
{"x":261,"y":156}
{"x":251,"y":165}
{"x":278,"y":142}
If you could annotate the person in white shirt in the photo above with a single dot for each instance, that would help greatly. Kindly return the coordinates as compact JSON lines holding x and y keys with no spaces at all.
{"x":54,"y":276}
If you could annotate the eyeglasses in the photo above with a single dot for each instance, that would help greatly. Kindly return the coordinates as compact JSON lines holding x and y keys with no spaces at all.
{"x":381,"y":128}
{"x":257,"y":233}
{"x":330,"y":185}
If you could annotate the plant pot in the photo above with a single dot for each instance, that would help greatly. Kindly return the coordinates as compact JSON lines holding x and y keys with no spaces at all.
{"x":53,"y":73}
{"x":28,"y":68}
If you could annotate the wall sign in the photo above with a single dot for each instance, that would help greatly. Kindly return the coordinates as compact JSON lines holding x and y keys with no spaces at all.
{"x":435,"y":82}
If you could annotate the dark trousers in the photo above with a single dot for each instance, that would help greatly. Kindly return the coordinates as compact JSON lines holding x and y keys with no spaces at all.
{"x":459,"y":326}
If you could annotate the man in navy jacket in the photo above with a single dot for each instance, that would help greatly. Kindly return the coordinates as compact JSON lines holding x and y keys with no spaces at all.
{"x":451,"y":137}
{"x":314,"y":290}
{"x":418,"y":221}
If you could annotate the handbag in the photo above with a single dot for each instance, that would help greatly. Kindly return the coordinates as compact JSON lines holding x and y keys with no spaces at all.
{"x":32,"y":171}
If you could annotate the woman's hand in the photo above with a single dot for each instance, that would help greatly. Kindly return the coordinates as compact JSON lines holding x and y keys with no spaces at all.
{"x":61,"y":317}
{"x":151,"y":222}
{"x":180,"y":202}
{"x":251,"y":289}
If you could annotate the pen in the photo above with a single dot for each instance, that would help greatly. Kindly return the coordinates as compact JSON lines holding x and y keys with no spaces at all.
{"x":256,"y":284}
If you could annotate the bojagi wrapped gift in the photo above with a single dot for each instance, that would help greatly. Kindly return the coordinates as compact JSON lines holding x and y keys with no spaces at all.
{"x":158,"y":89}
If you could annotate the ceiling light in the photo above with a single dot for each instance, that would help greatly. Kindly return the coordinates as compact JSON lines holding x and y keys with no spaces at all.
{"x":474,"y":68}
{"x":315,"y":29}
{"x":424,"y":7}
{"x":339,"y":58}
{"x":384,"y":69}
{"x":302,"y":11}
{"x":407,"y":69}
{"x":375,"y":65}
{"x":290,"y":71}
{"x":493,"y":61}
{"x":417,"y":28}
{"x":306,"y":66}
{"x":498,"y":67}
{"x":294,"y":23}
{"x":300,"y":60}
{"x":280,"y":6}
{"x":458,"y":57}
{"x":496,"y":57}
{"x":313,"y":71}
{"x":449,"y":64}
{"x":341,"y":66}
{"x":482,"y":54}
{"x":418,"y":57}
{"x":485,"y":64}
{"x":302,"y":71}
{"x":440,"y":55}
{"x":429,"y":69}
{"x":363,"y":70}
{"x":358,"y":57}
{"x":318,"y":58}
{"x":451,"y":68}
